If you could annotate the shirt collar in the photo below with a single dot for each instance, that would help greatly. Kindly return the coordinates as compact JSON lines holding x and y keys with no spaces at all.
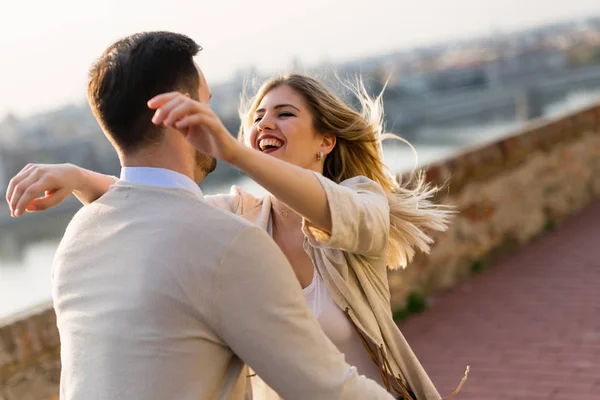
{"x":160,"y":177}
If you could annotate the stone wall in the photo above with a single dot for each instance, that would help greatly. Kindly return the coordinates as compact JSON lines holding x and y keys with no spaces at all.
{"x":29,"y":355}
{"x":507,"y":193}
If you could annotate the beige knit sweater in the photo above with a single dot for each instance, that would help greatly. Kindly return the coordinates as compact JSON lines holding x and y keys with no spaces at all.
{"x":159,"y":295}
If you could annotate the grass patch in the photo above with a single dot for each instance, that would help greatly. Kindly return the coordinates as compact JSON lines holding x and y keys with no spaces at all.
{"x":478,"y":266}
{"x":415,"y":303}
{"x":400,"y":315}
{"x":549,"y":225}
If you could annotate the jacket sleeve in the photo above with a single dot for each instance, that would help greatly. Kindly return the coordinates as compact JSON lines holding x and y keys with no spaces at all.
{"x":360,"y":217}
{"x":230,"y":202}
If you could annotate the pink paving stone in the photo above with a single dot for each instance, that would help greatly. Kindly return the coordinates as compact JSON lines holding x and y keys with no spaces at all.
{"x":529,"y":326}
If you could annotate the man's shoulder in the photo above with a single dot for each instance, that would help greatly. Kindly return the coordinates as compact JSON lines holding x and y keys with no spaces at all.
{"x":178,"y":210}
{"x":172,"y":210}
{"x":208,"y":218}
{"x":204,"y":232}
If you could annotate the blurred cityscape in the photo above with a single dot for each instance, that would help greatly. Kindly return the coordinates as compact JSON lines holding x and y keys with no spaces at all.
{"x":441,"y":84}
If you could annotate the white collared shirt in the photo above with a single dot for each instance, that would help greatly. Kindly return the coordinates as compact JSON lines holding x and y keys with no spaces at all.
{"x":160,"y":177}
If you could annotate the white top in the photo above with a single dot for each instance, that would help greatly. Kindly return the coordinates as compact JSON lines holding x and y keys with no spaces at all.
{"x":336,"y":325}
{"x":339,"y":329}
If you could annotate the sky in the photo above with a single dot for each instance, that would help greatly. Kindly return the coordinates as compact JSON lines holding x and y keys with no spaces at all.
{"x":47,"y":47}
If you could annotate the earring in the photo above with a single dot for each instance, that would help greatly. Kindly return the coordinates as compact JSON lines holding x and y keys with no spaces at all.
{"x":319,"y":156}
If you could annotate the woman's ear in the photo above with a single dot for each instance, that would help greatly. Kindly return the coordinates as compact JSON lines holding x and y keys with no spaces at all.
{"x":327,"y":143}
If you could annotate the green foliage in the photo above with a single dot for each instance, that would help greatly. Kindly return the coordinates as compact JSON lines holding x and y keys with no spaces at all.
{"x":400,"y":315}
{"x":477,"y":266}
{"x":550,"y":225}
{"x":415,"y":303}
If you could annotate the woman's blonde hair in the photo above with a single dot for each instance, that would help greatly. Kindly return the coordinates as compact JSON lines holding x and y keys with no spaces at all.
{"x":358,"y":152}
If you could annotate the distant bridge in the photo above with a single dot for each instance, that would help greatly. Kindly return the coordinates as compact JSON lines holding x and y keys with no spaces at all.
{"x":523,"y":98}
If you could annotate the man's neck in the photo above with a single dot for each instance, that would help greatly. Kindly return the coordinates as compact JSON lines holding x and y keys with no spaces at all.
{"x":158,"y":159}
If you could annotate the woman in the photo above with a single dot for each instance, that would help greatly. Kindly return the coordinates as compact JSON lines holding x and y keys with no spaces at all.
{"x":332,"y":209}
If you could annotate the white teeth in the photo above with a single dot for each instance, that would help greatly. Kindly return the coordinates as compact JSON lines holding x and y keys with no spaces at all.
{"x":263,"y":144}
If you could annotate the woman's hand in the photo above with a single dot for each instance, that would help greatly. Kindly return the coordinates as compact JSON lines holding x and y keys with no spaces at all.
{"x":198,"y":123}
{"x":297,"y":187}
{"x":54,"y":181}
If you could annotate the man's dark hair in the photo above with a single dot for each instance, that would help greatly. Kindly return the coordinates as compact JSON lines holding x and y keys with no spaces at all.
{"x":131,"y":72}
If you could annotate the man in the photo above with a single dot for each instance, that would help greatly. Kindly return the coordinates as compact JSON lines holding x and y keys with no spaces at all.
{"x":159,"y":295}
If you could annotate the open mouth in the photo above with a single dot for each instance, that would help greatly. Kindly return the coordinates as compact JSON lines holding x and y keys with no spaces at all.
{"x":269,"y":144}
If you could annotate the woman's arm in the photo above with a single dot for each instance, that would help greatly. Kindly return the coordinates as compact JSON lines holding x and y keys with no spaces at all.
{"x":297,"y":187}
{"x":300,"y":189}
{"x":92,"y":185}
{"x":353,"y":216}
{"x":55,"y":182}
{"x":360,"y":215}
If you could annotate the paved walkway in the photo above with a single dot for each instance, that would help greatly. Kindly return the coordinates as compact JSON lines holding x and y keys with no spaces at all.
{"x":529,"y":326}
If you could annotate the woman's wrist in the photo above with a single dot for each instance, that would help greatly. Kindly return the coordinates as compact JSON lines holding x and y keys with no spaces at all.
{"x":80,"y":178}
{"x":237,"y":155}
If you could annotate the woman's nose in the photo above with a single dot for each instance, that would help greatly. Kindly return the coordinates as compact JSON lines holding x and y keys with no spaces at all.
{"x":266,"y":123}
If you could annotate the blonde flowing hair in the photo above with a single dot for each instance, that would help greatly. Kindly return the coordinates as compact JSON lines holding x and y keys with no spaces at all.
{"x":358,"y":152}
